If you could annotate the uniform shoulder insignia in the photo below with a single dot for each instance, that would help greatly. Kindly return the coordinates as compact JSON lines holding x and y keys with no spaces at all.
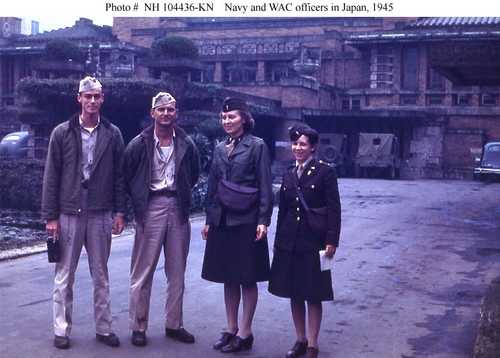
{"x":326,"y":164}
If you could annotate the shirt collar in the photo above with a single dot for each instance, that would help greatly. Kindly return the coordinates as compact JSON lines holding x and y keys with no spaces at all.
{"x":230,"y":140}
{"x":305,"y":164}
{"x":157,"y":140}
{"x":91,"y":129}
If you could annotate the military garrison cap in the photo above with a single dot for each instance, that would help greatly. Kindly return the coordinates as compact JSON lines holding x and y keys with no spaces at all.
{"x":298,"y":130}
{"x":233,"y":104}
{"x":89,"y":84}
{"x":162,"y":99}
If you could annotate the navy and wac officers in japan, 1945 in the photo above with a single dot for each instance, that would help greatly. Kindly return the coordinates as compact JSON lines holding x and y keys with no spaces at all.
{"x":83,"y":202}
{"x":161,"y":166}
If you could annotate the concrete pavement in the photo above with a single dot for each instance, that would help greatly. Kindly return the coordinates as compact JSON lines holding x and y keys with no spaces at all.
{"x":414,"y":262}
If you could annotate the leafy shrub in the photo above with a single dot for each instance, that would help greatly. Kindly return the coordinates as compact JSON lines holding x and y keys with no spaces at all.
{"x":21,"y":184}
{"x":205,"y":149}
{"x":174,"y":47}
{"x":199,"y":195}
{"x":61,"y":49}
{"x":126,"y":101}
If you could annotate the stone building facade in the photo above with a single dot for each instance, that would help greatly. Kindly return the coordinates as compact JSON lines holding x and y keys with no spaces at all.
{"x":433,"y":82}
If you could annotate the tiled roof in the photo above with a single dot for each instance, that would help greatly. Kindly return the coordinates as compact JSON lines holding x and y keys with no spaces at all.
{"x":82,"y":29}
{"x":433,"y":22}
{"x":434,"y":29}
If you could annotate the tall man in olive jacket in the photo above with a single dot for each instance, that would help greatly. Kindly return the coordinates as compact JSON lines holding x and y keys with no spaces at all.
{"x":83,"y":187}
{"x":161,"y":166}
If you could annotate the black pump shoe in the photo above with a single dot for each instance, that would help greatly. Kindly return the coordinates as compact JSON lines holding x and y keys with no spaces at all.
{"x":224,"y":340}
{"x":238,"y":344}
{"x":298,"y":349}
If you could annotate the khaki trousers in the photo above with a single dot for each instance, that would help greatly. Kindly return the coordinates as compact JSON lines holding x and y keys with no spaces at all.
{"x":92,"y":230}
{"x":163,"y":226}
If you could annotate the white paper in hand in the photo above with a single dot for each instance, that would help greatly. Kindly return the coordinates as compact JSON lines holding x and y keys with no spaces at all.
{"x":326,"y":262}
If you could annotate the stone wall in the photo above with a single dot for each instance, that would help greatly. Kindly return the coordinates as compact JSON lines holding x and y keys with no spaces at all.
{"x":426,"y":151}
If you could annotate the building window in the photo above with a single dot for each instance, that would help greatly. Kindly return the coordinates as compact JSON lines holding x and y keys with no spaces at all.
{"x":351,"y":104}
{"x":435,"y":100}
{"x":346,"y":104}
{"x":195,"y":76}
{"x":7,"y":81}
{"x":355,"y":104}
{"x":409,"y":68}
{"x":435,"y":80}
{"x":488,"y":99}
{"x":461,"y":99}
{"x":238,"y":72}
{"x":208,"y":73}
{"x":381,"y":68}
{"x":275,"y":71}
{"x":408,"y":100}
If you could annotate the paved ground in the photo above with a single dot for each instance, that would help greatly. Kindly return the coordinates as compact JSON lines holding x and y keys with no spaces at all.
{"x":415,"y":260}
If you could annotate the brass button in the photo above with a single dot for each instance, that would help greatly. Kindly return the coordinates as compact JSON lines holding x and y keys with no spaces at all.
{"x":298,"y":209}
{"x":298,"y":218}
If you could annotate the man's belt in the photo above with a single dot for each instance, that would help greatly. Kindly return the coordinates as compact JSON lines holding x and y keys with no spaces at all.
{"x":163,"y":192}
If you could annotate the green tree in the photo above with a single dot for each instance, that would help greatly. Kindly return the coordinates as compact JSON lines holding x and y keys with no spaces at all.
{"x":174,"y":47}
{"x":61,"y":49}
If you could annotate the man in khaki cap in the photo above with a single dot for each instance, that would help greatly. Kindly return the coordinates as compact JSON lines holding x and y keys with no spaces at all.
{"x":83,"y":202}
{"x":161,"y":166}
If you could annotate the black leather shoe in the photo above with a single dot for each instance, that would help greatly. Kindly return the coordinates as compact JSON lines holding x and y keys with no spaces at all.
{"x":224,"y":340}
{"x":238,"y":344}
{"x":139,"y":338}
{"x":180,"y":335}
{"x":61,"y":342}
{"x":312,"y":352}
{"x":298,"y":349}
{"x":110,"y":340}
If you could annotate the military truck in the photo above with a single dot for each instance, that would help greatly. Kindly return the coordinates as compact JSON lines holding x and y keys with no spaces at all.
{"x":377,"y":156}
{"x":333,"y":150}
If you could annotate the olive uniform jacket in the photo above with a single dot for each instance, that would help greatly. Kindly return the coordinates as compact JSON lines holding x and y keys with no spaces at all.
{"x":318,"y":183}
{"x":248,"y":165}
{"x":138,"y":161}
{"x":62,"y":179}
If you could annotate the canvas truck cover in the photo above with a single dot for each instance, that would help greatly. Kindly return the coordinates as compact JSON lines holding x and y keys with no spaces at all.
{"x":375,"y":150}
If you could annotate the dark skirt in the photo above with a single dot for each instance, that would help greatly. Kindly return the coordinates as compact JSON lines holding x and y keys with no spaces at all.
{"x":298,"y":275}
{"x":233,"y":256}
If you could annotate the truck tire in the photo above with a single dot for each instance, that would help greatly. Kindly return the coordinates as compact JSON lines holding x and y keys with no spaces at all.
{"x":329,"y":153}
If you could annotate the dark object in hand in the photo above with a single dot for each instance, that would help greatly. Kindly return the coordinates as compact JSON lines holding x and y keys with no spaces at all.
{"x":53,"y":250}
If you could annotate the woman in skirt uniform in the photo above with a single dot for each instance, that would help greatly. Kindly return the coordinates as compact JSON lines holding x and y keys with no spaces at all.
{"x":236,"y":253}
{"x":295,"y":271}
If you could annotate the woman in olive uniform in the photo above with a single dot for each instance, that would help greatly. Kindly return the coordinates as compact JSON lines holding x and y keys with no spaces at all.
{"x":295,"y":271}
{"x":236,"y":253}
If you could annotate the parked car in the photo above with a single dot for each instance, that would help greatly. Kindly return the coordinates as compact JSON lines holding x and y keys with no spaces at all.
{"x":378,"y":155}
{"x":333,"y":150}
{"x":15,"y":145}
{"x":489,"y":162}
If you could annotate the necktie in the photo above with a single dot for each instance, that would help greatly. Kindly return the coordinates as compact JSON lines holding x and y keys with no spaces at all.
{"x":300,"y":170}
{"x":230,"y":147}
